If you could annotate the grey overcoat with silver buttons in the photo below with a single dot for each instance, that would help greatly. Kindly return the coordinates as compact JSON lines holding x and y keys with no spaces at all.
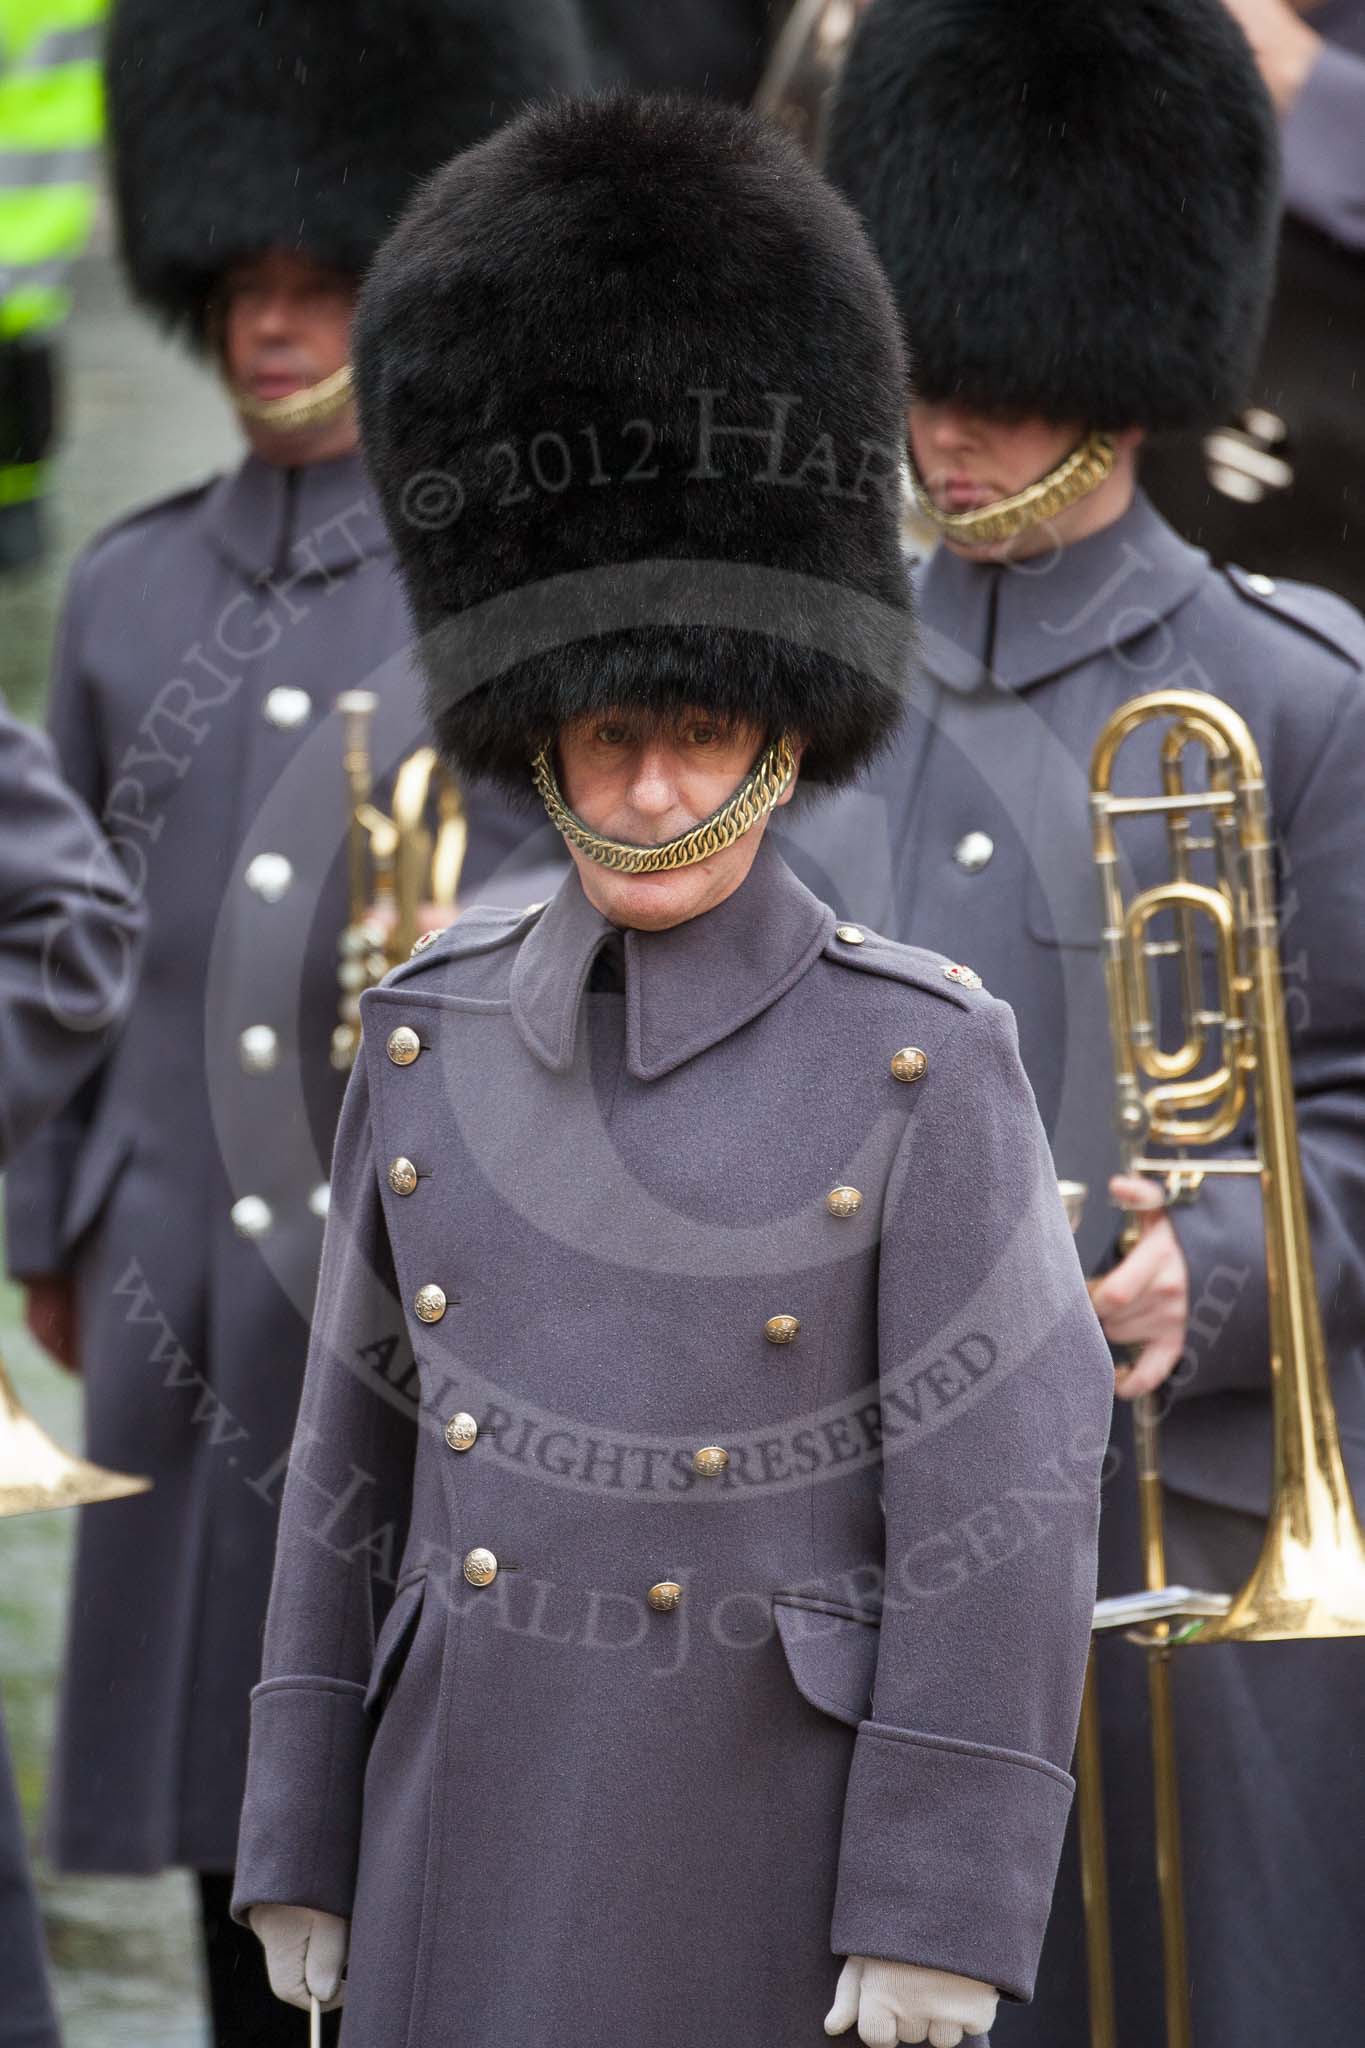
{"x":975,"y":831}
{"x":710,"y":1658}
{"x":202,"y":646}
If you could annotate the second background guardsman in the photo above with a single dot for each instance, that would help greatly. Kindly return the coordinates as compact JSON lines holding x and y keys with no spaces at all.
{"x":1076,"y":206}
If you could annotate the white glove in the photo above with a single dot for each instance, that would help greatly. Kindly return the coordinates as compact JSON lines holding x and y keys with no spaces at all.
{"x":900,"y":2002}
{"x":305,"y":1953}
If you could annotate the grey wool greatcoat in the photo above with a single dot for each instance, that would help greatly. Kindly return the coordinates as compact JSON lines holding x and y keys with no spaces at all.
{"x":975,"y":832}
{"x":70,"y":927}
{"x":70,"y":932}
{"x":203,"y":644}
{"x":712,"y":1599}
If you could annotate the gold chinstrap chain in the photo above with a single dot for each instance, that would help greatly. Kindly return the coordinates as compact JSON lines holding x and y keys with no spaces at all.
{"x":760,"y":792}
{"x":986,"y":525}
{"x":306,"y":408}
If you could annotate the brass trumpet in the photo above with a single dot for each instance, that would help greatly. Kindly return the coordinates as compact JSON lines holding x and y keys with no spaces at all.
{"x":1309,"y":1582}
{"x":396,"y":864}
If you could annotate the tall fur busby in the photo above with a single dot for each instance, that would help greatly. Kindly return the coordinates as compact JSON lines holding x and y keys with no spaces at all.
{"x":631,"y":386}
{"x":238,"y":126}
{"x":1075,"y":200}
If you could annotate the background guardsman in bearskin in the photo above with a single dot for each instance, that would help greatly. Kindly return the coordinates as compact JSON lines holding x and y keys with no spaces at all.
{"x":260,"y":153}
{"x":690,"y":1717}
{"x":1076,"y":206}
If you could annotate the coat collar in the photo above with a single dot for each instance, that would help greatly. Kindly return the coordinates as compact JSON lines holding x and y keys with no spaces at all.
{"x":1017,"y":624}
{"x":316,"y":520}
{"x":686,"y":989}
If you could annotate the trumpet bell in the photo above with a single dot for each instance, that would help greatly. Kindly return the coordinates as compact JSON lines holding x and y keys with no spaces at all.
{"x":36,"y":1473}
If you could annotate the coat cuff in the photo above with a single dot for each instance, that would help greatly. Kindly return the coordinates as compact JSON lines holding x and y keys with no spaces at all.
{"x":299,"y":1843}
{"x":949,"y":1855}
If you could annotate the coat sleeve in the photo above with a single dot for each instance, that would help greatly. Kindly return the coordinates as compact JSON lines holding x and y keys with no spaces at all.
{"x":40,"y":1173}
{"x":1322,"y":947}
{"x":343,"y":1523}
{"x":69,"y":932}
{"x":959,"y":1790}
{"x":1324,"y":148}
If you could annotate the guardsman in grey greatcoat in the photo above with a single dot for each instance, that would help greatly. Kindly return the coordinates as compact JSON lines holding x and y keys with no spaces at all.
{"x":698,"y":1662}
{"x":169,"y":1227}
{"x":1282,"y":481}
{"x":70,"y":930}
{"x":1097,"y":260}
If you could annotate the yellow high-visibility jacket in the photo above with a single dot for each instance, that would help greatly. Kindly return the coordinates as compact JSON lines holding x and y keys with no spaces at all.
{"x":51,"y":108}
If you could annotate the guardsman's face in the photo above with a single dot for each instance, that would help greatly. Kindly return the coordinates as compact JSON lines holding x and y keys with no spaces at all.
{"x":969,"y":459}
{"x":286,"y":324}
{"x":628,"y":778}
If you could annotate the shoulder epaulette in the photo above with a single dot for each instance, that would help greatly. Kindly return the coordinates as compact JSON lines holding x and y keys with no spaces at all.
{"x":144,"y":514}
{"x":1328,"y":618}
{"x":867,"y":952}
{"x":483,"y":928}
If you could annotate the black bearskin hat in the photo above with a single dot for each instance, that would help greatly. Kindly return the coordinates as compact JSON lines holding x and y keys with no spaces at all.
{"x":238,"y":126}
{"x":1075,"y":200}
{"x":630,"y":369}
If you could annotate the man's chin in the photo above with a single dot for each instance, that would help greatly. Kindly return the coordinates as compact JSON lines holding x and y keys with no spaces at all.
{"x":653,"y":903}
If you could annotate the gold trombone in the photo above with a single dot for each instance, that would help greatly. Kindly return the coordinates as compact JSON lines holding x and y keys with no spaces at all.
{"x":1309,"y":1582}
{"x":395,"y":864}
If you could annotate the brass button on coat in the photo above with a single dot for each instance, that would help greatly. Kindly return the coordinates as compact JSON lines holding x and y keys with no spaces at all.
{"x":402,"y":1176}
{"x":843,"y":1201}
{"x":430,"y":1303}
{"x":781,"y":1329}
{"x":974,"y":851}
{"x":850,"y":934}
{"x":268,"y":876}
{"x":664,"y":1597}
{"x":910,"y":1064}
{"x":480,"y":1566}
{"x":259,"y":1049}
{"x":709,"y":1460}
{"x":403,"y":1046}
{"x":286,"y":708}
{"x":251,"y":1216}
{"x":462,"y":1431}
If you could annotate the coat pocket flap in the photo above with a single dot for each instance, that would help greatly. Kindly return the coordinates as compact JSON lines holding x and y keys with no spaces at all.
{"x":100,"y":1162}
{"x":831,"y":1652}
{"x":391,"y":1645}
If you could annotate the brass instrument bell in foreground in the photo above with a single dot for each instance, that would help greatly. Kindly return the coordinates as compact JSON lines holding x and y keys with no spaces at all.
{"x":36,"y":1473}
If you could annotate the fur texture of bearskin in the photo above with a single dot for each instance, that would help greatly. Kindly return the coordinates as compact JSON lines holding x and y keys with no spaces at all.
{"x":533,"y":351}
{"x":1075,"y":200}
{"x":238,"y":126}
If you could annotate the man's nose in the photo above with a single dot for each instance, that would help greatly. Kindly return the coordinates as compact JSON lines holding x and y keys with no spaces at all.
{"x":952,"y":430}
{"x":653,"y":785}
{"x":272,"y":316}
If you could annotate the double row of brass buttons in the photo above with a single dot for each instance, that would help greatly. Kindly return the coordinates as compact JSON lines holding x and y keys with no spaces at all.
{"x":480,"y":1564}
